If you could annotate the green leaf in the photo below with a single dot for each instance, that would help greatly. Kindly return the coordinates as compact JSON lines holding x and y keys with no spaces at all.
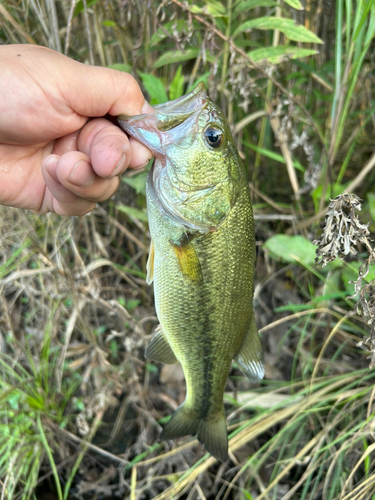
{"x":247,"y":494}
{"x":132,"y":304}
{"x":296,"y":4}
{"x":278,"y":54}
{"x":212,"y":7}
{"x":350,"y":273}
{"x":176,"y":56}
{"x":80,"y":6}
{"x":317,"y":193}
{"x":365,"y":13}
{"x":291,"y":30}
{"x":274,"y":156}
{"x":154,"y":87}
{"x":176,"y":88}
{"x":215,"y":8}
{"x":291,"y":248}
{"x":137,"y":182}
{"x":121,"y":67}
{"x":108,"y":23}
{"x":177,"y":25}
{"x":151,"y":368}
{"x":133,"y":212}
{"x":252,"y":4}
{"x":202,"y":78}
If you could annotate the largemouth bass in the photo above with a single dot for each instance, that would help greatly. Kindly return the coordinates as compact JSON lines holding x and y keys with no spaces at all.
{"x":201,"y":259}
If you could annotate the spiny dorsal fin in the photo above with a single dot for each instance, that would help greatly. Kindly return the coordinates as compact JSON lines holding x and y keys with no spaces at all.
{"x":150,"y":264}
{"x":250,"y":358}
{"x":159,"y":349}
{"x":189,"y":263}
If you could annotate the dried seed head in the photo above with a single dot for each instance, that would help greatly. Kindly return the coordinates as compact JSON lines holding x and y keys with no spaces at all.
{"x":342,"y":230}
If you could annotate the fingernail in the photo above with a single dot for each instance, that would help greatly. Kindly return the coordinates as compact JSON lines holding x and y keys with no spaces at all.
{"x":142,"y":165}
{"x":147,"y":108}
{"x":50,"y":167}
{"x":120,"y":165}
{"x":82,"y":174}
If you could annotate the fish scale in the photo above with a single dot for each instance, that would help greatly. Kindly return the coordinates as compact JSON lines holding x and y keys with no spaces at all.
{"x":201,"y":259}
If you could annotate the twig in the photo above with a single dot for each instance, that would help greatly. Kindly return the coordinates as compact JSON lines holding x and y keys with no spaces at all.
{"x":362,"y":174}
{"x":89,"y":39}
{"x":275,"y":124}
{"x":122,"y":228}
{"x":69,"y":26}
{"x":92,"y":447}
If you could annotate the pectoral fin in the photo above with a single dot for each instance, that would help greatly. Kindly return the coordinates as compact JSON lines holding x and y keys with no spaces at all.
{"x":150,"y":264}
{"x":250,"y":358}
{"x":188,"y":261}
{"x":160,"y":350}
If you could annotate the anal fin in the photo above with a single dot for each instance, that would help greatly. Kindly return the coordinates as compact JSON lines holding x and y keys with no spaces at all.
{"x":250,"y":357}
{"x":159,"y":349}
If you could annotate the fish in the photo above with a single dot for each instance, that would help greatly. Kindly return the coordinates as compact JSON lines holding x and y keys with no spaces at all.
{"x":201,"y":259}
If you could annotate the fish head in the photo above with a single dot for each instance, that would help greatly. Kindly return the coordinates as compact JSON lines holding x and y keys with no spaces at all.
{"x":197,"y":170}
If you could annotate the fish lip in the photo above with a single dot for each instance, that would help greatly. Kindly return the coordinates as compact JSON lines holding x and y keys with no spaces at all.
{"x":181,"y":104}
{"x":170,"y":114}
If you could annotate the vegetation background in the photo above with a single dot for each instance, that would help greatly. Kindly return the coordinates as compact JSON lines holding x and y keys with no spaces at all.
{"x":80,"y":409}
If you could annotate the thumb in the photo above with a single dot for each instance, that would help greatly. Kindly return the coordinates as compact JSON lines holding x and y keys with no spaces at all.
{"x":95,"y":91}
{"x":89,"y":91}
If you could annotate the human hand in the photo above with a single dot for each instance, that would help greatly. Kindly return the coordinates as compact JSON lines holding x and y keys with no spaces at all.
{"x":53,"y":157}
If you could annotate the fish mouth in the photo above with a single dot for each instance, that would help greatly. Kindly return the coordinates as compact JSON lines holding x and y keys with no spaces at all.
{"x":156,"y":130}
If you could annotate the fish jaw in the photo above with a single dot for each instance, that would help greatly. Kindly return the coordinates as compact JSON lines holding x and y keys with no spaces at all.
{"x":171,"y":121}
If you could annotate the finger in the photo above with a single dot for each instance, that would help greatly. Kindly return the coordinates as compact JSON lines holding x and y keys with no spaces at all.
{"x":58,"y":198}
{"x":74,"y":172}
{"x":66,"y":143}
{"x":106,"y":146}
{"x":140,"y":154}
{"x":96,"y":91}
{"x":109,"y":148}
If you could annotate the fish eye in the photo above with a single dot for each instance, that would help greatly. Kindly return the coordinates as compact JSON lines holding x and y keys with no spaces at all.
{"x":214,"y":137}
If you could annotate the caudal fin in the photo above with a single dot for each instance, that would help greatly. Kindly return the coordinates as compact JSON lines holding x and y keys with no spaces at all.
{"x":212,"y":433}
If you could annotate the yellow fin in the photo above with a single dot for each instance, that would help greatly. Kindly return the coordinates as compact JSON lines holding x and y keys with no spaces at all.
{"x":250,"y":358}
{"x":150,"y":264}
{"x":188,"y":261}
{"x":160,"y":350}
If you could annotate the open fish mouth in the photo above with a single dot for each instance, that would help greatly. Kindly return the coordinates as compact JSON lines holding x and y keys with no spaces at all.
{"x":156,"y":130}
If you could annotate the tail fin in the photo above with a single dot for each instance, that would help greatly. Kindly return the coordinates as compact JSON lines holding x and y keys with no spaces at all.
{"x":212,"y":433}
{"x":184,"y":422}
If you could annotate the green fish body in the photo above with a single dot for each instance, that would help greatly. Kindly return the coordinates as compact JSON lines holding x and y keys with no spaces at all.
{"x":201,"y":259}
